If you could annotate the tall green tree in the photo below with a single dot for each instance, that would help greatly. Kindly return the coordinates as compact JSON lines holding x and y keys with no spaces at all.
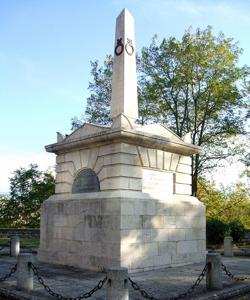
{"x":198,"y":88}
{"x":28,"y":189}
{"x":191,"y":85}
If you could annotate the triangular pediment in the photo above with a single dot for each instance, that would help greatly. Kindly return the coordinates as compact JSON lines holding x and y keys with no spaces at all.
{"x":160,"y":130}
{"x":85,"y":130}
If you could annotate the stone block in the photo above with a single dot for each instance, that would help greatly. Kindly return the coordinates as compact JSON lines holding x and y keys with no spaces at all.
{"x":111,"y":250}
{"x":184,"y":222}
{"x":184,"y":247}
{"x":160,"y":235}
{"x":174,"y":162}
{"x":131,"y":236}
{"x":186,"y":160}
{"x":131,"y":222}
{"x":176,"y":234}
{"x":135,"y":184}
{"x":66,"y":166}
{"x":63,"y":188}
{"x":111,"y":222}
{"x":60,"y":220}
{"x":122,"y":158}
{"x":145,"y":207}
{"x":73,"y":220}
{"x":75,"y":157}
{"x":149,"y":250}
{"x":111,"y":207}
{"x":183,"y":189}
{"x":65,"y":176}
{"x":183,"y":178}
{"x":115,"y":183}
{"x":60,"y":158}
{"x":128,"y":148}
{"x":99,"y":165}
{"x":132,"y":250}
{"x":163,"y":208}
{"x":201,"y":244}
{"x":120,"y":170}
{"x":152,"y":221}
{"x":110,"y":149}
{"x":167,"y":156}
{"x":195,"y":233}
{"x":194,"y":210}
{"x":144,"y":156}
{"x":199,"y":222}
{"x":169,"y":222}
{"x":148,"y":235}
{"x":84,"y":158}
{"x":92,"y":158}
{"x":128,"y":208}
{"x":152,"y":158}
{"x":166,"y":247}
{"x":159,"y":159}
{"x":157,"y":182}
{"x":182,"y":168}
{"x":110,"y":235}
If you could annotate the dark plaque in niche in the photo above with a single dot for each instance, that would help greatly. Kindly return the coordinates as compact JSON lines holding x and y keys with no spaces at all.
{"x":86,"y":182}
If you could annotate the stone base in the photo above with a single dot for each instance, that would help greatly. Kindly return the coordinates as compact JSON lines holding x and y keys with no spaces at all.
{"x":122,"y":228}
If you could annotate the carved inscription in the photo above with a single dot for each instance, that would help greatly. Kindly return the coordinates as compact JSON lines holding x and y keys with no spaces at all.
{"x":86,"y":182}
{"x":157,"y":182}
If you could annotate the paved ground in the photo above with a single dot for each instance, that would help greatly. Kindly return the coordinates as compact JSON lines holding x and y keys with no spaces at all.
{"x":163,"y":283}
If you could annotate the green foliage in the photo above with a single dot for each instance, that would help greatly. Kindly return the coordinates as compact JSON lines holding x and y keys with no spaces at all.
{"x":237,"y":230}
{"x":226,"y":205}
{"x":28,"y":189}
{"x":216,"y":231}
{"x":98,"y":103}
{"x":196,"y":84}
{"x":191,"y":85}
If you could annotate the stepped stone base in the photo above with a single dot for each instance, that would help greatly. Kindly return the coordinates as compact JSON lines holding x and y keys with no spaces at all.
{"x":122,"y":228}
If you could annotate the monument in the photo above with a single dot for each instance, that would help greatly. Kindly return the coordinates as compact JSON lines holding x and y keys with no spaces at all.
{"x":122,"y":193}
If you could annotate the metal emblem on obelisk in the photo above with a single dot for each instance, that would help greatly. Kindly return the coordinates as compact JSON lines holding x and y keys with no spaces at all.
{"x":124,"y":82}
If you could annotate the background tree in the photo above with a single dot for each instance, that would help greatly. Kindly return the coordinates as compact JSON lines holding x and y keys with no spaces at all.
{"x":191,"y":85}
{"x":227,"y":204}
{"x":28,"y":189}
{"x":197,"y":86}
{"x":98,"y":103}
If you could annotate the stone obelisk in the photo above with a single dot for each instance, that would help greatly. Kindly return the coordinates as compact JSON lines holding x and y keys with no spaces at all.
{"x":124,"y":83}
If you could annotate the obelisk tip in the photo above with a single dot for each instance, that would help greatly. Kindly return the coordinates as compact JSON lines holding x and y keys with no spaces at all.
{"x":125,"y":11}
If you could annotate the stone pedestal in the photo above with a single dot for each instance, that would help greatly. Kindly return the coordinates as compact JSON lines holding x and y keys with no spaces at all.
{"x":143,"y":217}
{"x":128,"y":229}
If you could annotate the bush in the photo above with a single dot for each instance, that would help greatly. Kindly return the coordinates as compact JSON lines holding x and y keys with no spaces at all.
{"x":216,"y":231}
{"x":237,"y":230}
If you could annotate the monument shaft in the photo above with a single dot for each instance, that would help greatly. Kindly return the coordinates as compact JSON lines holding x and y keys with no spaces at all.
{"x":124,"y":83}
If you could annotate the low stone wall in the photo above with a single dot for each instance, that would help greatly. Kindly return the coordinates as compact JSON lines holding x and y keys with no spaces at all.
{"x":22,"y":233}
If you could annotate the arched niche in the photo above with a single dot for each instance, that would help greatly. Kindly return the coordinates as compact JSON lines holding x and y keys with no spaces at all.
{"x":86,"y":182}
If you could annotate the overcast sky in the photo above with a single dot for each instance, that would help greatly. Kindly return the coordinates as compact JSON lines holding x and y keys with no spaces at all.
{"x":45,"y":52}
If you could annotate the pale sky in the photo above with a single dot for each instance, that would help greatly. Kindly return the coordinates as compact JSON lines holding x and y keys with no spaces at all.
{"x":45,"y":52}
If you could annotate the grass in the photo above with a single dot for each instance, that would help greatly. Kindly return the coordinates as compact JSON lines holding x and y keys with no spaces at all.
{"x":23,"y":242}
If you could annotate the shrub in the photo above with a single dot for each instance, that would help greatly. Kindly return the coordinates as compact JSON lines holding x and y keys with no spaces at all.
{"x":237,"y":230}
{"x":216,"y":230}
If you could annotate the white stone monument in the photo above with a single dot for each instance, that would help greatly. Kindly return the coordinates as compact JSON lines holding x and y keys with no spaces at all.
{"x":123,"y":192}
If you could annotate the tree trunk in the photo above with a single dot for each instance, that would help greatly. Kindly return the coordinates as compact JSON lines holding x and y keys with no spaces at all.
{"x":195,"y":163}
